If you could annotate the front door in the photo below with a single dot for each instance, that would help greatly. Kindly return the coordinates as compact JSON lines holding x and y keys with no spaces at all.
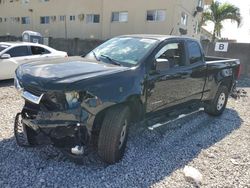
{"x":177,"y":76}
{"x":166,"y":85}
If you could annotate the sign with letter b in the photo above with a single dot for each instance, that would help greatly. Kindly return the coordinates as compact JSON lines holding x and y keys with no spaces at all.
{"x":221,"y":47}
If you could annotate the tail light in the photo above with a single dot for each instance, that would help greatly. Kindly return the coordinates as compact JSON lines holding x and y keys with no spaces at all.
{"x":238,"y":72}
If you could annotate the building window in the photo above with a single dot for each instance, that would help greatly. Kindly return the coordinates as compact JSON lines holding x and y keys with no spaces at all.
{"x":25,"y":20}
{"x":2,"y":1}
{"x":62,"y":18}
{"x":72,"y":18}
{"x":14,"y":19}
{"x":44,"y":20}
{"x":93,"y":18}
{"x":200,"y":3}
{"x":184,"y":19}
{"x":119,"y":17}
{"x":156,"y":15}
{"x":25,"y":1}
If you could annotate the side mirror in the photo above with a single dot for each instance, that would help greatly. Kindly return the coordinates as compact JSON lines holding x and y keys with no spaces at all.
{"x":5,"y":56}
{"x":162,"y":64}
{"x":84,"y":54}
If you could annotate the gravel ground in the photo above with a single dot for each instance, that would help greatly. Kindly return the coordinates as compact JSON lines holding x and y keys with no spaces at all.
{"x":218,"y":147}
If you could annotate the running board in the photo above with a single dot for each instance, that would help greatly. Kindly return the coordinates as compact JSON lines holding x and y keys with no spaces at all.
{"x":173,"y":120}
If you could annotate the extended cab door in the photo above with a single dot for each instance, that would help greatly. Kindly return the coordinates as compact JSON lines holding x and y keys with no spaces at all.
{"x":167,"y":77}
{"x":8,"y":66}
{"x":197,"y":70}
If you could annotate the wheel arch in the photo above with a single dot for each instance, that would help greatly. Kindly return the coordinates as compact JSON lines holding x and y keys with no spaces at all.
{"x":136,"y":108}
{"x":227,"y":81}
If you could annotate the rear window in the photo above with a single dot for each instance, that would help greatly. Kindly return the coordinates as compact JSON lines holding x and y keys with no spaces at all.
{"x":3,"y":47}
{"x":36,"y":50}
{"x":195,"y":54}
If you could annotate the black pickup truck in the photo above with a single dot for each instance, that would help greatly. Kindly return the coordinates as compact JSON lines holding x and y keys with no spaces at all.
{"x":77,"y":102}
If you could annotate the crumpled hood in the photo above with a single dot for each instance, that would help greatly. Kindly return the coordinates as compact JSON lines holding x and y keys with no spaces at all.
{"x":59,"y":73}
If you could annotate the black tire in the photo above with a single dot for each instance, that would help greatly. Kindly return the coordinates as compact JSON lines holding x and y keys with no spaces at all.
{"x":215,"y":106}
{"x":113,"y":135}
{"x":20,"y":132}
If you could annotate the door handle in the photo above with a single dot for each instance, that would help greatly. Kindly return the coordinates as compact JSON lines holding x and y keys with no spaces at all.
{"x":184,"y":76}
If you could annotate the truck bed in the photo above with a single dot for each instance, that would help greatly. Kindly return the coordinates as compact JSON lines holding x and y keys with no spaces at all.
{"x":209,"y":59}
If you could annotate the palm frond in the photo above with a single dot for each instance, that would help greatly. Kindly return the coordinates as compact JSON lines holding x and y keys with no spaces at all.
{"x":229,"y":12}
{"x":206,"y":16}
{"x":219,"y":12}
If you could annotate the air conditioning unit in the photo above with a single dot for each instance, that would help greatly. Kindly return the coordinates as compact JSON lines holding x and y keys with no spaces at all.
{"x":53,"y":18}
{"x":17,"y":19}
{"x":183,"y":31}
{"x":81,"y":17}
{"x":199,"y":9}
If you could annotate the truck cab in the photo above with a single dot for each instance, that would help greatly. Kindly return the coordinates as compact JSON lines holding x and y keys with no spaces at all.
{"x":177,"y":75}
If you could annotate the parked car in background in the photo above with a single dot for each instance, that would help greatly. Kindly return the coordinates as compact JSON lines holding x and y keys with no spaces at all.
{"x":12,"y":54}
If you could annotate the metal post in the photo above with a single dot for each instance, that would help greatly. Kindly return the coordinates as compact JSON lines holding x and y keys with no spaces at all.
{"x":65,"y":27}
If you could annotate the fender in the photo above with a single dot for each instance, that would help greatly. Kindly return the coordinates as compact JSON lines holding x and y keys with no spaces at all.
{"x":115,"y":93}
{"x":224,"y":77}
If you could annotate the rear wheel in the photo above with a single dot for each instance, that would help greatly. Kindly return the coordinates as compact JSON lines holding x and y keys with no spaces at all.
{"x":216,"y":106}
{"x":113,"y":135}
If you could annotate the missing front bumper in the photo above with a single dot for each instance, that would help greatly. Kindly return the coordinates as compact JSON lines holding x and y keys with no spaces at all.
{"x":61,"y":129}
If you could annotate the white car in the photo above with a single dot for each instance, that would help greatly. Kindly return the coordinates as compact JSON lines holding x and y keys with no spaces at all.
{"x":12,"y":54}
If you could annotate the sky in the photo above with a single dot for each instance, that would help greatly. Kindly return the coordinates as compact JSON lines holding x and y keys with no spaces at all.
{"x":231,"y":31}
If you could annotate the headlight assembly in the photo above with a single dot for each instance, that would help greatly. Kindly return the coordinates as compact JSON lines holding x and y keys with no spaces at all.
{"x":72,"y":98}
{"x":17,"y":85}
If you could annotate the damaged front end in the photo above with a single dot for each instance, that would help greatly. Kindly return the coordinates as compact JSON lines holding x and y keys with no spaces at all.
{"x":55,"y":118}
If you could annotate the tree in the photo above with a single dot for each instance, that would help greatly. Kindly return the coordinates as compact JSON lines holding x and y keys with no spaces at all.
{"x":219,"y":12}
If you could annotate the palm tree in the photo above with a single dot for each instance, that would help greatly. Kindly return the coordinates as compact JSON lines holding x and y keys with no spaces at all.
{"x":219,"y":12}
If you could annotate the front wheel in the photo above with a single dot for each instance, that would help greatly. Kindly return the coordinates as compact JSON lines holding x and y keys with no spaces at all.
{"x":20,"y":132}
{"x":113,"y":135}
{"x":216,"y":106}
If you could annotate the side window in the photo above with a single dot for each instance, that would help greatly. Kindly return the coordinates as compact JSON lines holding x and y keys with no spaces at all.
{"x":36,"y":50}
{"x":172,"y":54}
{"x":195,"y":54}
{"x":19,"y":51}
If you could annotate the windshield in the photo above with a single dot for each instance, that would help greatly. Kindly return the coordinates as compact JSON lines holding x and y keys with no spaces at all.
{"x":3,"y":47}
{"x":126,"y":51}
